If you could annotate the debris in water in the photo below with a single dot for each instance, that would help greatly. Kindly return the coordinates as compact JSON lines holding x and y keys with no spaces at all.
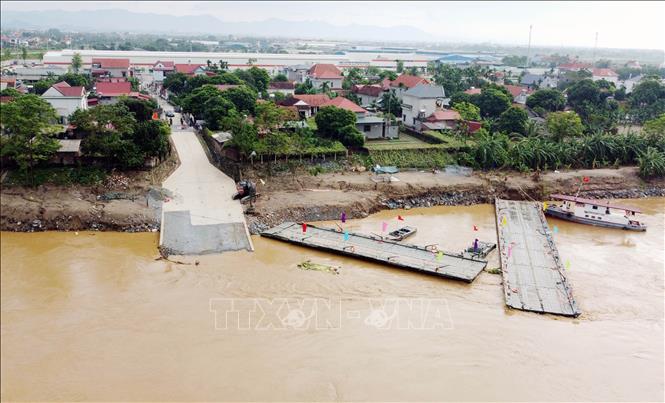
{"x":308,"y":265}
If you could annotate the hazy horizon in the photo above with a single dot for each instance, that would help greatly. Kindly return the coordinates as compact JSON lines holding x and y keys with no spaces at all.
{"x":633,"y":25}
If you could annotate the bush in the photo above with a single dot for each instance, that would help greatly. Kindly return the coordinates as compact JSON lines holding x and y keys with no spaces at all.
{"x":652,"y":163}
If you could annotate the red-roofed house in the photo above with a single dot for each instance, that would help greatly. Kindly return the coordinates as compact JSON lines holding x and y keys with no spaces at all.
{"x":347,"y":104}
{"x":66,"y":99}
{"x":110,"y":67}
{"x":191,"y":69}
{"x":161,"y":69}
{"x":285,"y":87}
{"x":405,"y":82}
{"x":321,"y":73}
{"x":307,"y":104}
{"x":605,"y":74}
{"x":520,"y":94}
{"x":441,"y":119}
{"x":473,"y":91}
{"x":368,"y":94}
{"x":108,"y":93}
{"x":574,"y":66}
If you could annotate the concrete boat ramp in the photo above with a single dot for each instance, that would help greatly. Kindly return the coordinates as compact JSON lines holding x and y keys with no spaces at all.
{"x":411,"y":257}
{"x":533,"y":274}
{"x":201,"y":217}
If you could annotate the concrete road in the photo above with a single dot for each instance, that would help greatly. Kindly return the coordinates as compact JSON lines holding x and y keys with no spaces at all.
{"x":201,"y":216}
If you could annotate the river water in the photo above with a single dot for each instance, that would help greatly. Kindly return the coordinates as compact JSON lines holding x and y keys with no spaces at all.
{"x":93,"y":316}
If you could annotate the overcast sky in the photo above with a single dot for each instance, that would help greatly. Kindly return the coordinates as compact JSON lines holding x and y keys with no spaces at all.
{"x":619,"y":24}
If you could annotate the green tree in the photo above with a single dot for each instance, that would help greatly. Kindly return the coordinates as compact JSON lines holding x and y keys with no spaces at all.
{"x":215,"y":109}
{"x":514,"y":61}
{"x":261,"y":79}
{"x":305,"y":88}
{"x":141,"y":109}
{"x":269,"y":116}
{"x":8,"y":53}
{"x":243,"y":97}
{"x":42,"y":86}
{"x":337,"y":124}
{"x":24,"y":53}
{"x":390,"y":103}
{"x":400,"y":66}
{"x":493,"y":102}
{"x":152,"y":138}
{"x":77,"y":62}
{"x":647,"y":100}
{"x":549,"y":99}
{"x":467,"y":111}
{"x":195,"y":101}
{"x":281,"y":77}
{"x":29,"y":123}
{"x":75,"y":80}
{"x":451,"y":78}
{"x":564,"y":124}
{"x":134,"y":82}
{"x":176,"y":82}
{"x":513,"y":120}
{"x":245,"y":138}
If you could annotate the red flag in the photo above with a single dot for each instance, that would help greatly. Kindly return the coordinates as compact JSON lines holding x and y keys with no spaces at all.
{"x":399,"y":217}
{"x":304,"y":227}
{"x":155,"y":116}
{"x":475,"y":228}
{"x":585,"y":179}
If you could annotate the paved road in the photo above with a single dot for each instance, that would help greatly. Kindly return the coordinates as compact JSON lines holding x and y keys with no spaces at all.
{"x":200,"y":217}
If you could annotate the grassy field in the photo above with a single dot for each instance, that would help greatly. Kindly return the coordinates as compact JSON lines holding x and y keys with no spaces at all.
{"x":408,"y":142}
{"x":57,"y":176}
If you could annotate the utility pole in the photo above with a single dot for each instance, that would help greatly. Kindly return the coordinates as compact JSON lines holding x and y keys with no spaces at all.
{"x":528,"y":49}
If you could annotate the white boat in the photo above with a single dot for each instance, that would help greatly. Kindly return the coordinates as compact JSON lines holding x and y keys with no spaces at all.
{"x":595,"y":212}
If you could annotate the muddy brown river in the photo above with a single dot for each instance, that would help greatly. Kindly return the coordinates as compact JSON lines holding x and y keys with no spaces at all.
{"x":93,"y":316}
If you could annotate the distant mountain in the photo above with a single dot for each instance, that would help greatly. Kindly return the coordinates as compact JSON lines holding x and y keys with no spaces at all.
{"x":127,"y":21}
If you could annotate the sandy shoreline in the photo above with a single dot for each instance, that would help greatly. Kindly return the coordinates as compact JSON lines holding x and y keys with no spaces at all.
{"x":302,"y":197}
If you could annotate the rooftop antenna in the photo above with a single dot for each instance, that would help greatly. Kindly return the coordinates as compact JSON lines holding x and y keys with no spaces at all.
{"x":595,"y":46}
{"x":528,"y":49}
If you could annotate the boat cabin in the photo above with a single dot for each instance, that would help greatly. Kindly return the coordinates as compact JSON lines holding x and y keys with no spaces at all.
{"x":596,"y":212}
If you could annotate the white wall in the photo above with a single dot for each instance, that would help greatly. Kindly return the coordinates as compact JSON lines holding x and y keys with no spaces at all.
{"x":64,"y":106}
{"x":334,"y":83}
{"x":408,"y":114}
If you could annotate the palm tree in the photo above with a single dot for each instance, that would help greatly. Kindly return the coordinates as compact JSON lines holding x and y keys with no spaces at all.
{"x":325,"y":87}
{"x":533,"y":129}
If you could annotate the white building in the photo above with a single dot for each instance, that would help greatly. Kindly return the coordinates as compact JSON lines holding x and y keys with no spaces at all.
{"x":420,"y":102}
{"x":605,"y":74}
{"x":161,"y":69}
{"x":66,"y":99}
{"x":325,"y":73}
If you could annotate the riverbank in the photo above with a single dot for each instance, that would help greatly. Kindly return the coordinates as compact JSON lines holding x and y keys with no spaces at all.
{"x":125,"y":201}
{"x":324,"y":197}
{"x":134,"y":204}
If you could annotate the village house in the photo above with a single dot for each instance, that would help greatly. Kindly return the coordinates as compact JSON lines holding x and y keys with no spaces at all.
{"x":161,"y":69}
{"x":441,"y":119}
{"x":519,"y":93}
{"x":285,"y":87}
{"x":368,"y":94}
{"x":631,"y":82}
{"x":307,"y":105}
{"x":372,"y":127}
{"x":110,"y":92}
{"x":574,"y":66}
{"x":36,"y":73}
{"x":297,"y":73}
{"x":68,"y":153}
{"x":420,"y":102}
{"x":605,"y":74}
{"x":110,"y":68}
{"x":322,"y":73}
{"x":66,"y":99}
{"x":191,"y":69}
{"x":405,"y":82}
